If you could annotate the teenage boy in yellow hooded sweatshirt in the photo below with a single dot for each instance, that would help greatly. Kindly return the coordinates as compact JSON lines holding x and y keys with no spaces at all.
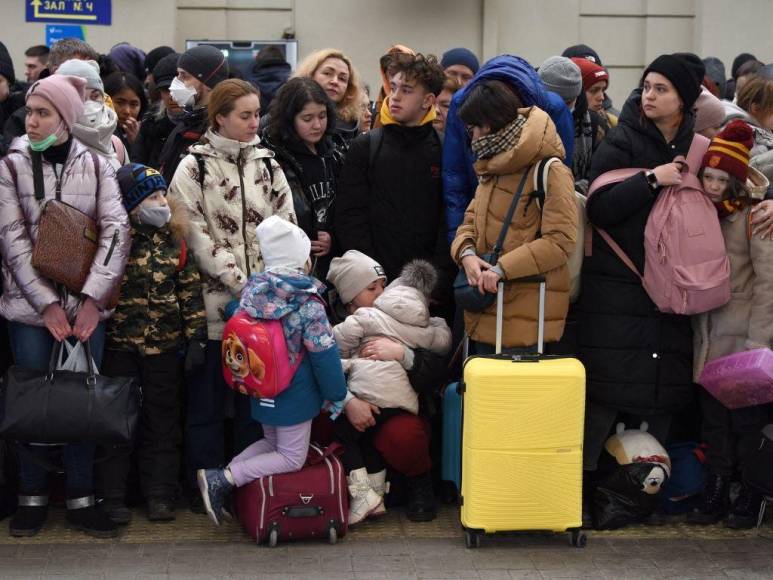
{"x":390,"y":200}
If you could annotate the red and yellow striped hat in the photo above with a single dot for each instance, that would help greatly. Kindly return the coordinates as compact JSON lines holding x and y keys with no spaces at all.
{"x":729,"y":151}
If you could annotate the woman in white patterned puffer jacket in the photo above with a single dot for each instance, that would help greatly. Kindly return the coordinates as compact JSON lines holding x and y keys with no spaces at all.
{"x":228,"y":184}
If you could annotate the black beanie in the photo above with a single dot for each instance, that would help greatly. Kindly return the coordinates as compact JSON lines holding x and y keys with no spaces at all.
{"x":6,"y":65}
{"x":582,"y":51}
{"x":206,"y":63}
{"x":155,"y":56}
{"x":165,"y":71}
{"x":695,"y":63}
{"x":682,"y":73}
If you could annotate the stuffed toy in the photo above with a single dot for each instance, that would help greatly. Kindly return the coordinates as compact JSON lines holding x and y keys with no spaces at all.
{"x":629,"y":490}
{"x":637,"y":446}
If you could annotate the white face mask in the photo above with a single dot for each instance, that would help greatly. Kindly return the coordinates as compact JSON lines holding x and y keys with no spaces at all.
{"x":182,"y":94}
{"x":95,"y":126}
{"x":154,"y":215}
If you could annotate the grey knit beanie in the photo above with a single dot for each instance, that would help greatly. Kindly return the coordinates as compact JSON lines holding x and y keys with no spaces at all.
{"x":561,"y":76}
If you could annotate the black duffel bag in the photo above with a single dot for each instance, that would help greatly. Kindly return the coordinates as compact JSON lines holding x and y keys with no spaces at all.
{"x":68,"y":407}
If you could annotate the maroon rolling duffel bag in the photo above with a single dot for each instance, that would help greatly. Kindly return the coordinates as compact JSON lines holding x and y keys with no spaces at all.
{"x":310,"y":503}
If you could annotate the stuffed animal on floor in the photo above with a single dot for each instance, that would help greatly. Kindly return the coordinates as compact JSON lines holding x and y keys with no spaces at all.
{"x":637,"y":446}
{"x":628,"y":491}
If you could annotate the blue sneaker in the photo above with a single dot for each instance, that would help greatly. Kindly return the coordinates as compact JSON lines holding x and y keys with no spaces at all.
{"x":214,"y":488}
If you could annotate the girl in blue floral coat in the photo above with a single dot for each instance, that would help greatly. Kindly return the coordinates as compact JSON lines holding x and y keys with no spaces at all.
{"x":283,"y":291}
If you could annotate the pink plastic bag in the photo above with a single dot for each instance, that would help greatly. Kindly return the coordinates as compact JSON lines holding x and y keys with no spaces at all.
{"x":743,"y":379}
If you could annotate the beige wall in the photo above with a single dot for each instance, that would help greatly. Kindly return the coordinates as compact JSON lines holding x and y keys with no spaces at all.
{"x":626,"y":33}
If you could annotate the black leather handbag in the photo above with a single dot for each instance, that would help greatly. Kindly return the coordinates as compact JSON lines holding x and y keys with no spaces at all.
{"x":468,"y":297}
{"x":68,"y":407}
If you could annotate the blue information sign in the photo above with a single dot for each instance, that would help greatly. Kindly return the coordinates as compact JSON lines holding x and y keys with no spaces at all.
{"x":56,"y":32}
{"x":70,"y":11}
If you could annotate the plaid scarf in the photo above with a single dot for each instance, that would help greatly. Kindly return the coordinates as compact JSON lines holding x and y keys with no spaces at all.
{"x":506,"y":138}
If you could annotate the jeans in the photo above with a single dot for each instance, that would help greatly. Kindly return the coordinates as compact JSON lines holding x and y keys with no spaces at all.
{"x":204,"y":430}
{"x":32,"y":346}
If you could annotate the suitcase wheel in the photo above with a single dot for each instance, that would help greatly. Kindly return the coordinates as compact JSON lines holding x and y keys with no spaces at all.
{"x":332,"y":533}
{"x":578,"y":538}
{"x":472,"y":539}
{"x":273,"y":537}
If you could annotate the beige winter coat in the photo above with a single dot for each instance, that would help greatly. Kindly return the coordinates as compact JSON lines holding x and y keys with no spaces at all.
{"x":94,"y":191}
{"x":746,"y":322}
{"x":400,"y":313}
{"x":237,"y":196}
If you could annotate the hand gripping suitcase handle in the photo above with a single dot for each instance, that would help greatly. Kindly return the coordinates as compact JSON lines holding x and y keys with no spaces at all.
{"x":539,"y":279}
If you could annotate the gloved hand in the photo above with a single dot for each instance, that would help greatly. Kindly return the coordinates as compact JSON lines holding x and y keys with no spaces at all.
{"x":195,"y":357}
{"x":230,"y":309}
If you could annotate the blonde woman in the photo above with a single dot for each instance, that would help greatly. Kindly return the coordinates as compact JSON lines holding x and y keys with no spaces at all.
{"x":334,"y":72}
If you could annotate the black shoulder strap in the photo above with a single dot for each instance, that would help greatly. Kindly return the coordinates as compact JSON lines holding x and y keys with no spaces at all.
{"x":97,"y":169}
{"x":375,"y":140}
{"x":267,"y":161}
{"x":37,"y":176}
{"x":508,"y":220}
{"x":200,"y":162}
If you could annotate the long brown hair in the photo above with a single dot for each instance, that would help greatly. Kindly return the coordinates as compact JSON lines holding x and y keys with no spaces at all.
{"x":757,"y":91}
{"x":349,"y":107}
{"x":223,"y":97}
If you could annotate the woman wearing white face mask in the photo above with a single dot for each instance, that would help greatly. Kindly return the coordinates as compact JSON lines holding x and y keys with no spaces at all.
{"x":95,"y":128}
{"x":199,"y":70}
{"x":228,"y":184}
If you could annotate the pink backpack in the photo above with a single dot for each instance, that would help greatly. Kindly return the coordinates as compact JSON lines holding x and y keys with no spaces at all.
{"x":686,"y":268}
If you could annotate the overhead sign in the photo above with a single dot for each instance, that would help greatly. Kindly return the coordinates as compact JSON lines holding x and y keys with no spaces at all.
{"x":56,"y":32}
{"x":70,"y":11}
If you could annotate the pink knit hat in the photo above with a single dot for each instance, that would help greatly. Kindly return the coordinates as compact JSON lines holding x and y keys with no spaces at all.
{"x":709,"y":111}
{"x":66,"y":94}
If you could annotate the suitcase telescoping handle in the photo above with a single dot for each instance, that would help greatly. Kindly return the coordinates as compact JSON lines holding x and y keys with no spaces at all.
{"x":539,"y":279}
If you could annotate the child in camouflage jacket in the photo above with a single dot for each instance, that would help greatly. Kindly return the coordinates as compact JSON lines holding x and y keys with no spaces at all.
{"x":160,"y":314}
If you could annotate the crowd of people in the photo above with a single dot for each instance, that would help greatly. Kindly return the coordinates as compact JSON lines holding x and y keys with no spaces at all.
{"x":302,"y":197}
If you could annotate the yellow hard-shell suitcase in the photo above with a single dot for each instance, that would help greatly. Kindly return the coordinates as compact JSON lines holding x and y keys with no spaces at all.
{"x":522,"y":437}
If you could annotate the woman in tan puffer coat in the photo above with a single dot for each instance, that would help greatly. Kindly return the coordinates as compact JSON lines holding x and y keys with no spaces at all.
{"x":509,"y":141}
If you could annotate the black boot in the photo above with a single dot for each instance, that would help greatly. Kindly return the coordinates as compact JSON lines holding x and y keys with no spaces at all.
{"x":746,"y":509}
{"x":84,"y":515}
{"x":30,"y":516}
{"x":116,"y":510}
{"x":160,"y":509}
{"x":714,"y":500}
{"x":421,"y":499}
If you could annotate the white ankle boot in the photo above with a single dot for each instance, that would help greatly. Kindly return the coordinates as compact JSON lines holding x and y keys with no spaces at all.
{"x":363,"y":501}
{"x":380,"y":485}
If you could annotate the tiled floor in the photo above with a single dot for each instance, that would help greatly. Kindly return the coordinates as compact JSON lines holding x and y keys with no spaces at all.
{"x":389,"y":548}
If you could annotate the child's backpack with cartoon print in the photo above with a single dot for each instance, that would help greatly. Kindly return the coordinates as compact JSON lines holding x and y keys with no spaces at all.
{"x":255,"y":357}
